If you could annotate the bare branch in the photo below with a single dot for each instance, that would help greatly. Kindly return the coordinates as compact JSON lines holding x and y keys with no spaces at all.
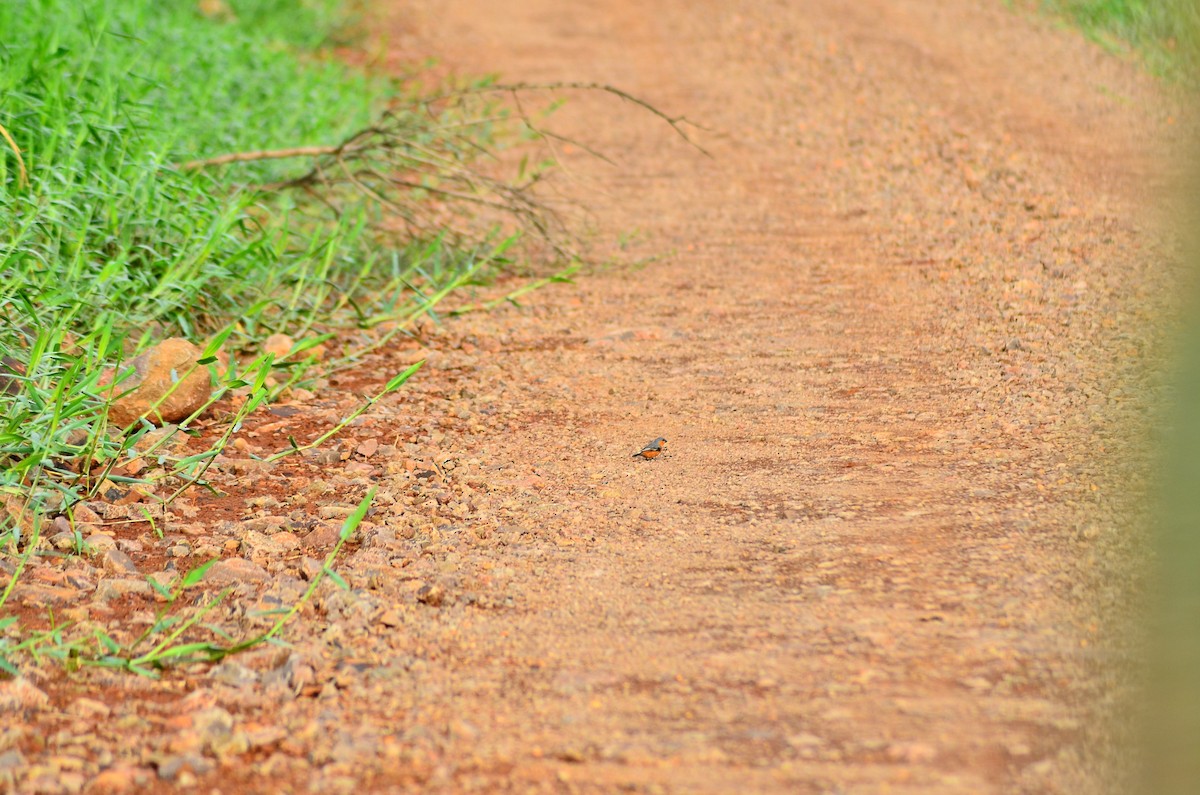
{"x":266,"y":154}
{"x":422,"y":163}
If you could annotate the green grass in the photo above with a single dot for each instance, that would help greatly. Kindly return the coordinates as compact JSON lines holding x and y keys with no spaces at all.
{"x":1163,"y":33}
{"x":107,"y":246}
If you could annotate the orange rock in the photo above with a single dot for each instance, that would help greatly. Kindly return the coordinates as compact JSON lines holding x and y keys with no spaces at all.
{"x":166,"y":385}
{"x":121,"y":778}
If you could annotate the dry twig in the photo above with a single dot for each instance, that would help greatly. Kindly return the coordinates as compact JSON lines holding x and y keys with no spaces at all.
{"x":422,"y":167}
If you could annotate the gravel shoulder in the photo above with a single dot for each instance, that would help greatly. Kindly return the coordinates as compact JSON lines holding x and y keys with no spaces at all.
{"x":903,"y":323}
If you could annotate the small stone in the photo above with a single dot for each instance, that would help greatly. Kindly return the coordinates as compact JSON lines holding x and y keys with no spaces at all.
{"x":115,"y":560}
{"x":99,"y":542}
{"x":89,"y":708}
{"x":176,"y":766}
{"x":20,"y":694}
{"x":33,"y":595}
{"x":235,"y":570}
{"x":260,"y":545}
{"x":265,"y":524}
{"x":1041,"y":769}
{"x":121,"y":778}
{"x":1014,"y":345}
{"x":391,"y":618}
{"x":431,"y":594}
{"x":280,"y":345}
{"x":267,"y":735}
{"x":571,"y":754}
{"x":132,"y":496}
{"x":321,"y":537}
{"x":234,"y":674}
{"x":213,"y":725}
{"x":161,"y":440}
{"x":1018,"y":749}
{"x":310,"y":568}
{"x":108,"y":590}
{"x":167,"y":385}
{"x":912,"y":753}
{"x":804,"y":740}
{"x":63,"y":542}
{"x":21,"y":516}
{"x":83,"y":513}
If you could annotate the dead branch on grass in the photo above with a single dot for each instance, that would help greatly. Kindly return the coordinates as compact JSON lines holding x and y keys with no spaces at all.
{"x":421,"y":163}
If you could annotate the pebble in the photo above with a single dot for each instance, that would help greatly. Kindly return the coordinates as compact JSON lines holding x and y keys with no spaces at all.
{"x":310,"y":568}
{"x":912,"y":753}
{"x":89,"y":708}
{"x":431,"y":594}
{"x":63,"y":541}
{"x":121,"y":778}
{"x":322,"y":536}
{"x":83,"y":513}
{"x":279,"y":345}
{"x":213,"y":725}
{"x":21,"y":694}
{"x":262,"y":546}
{"x":33,"y":595}
{"x":100,"y":542}
{"x":12,"y":762}
{"x":175,"y":766}
{"x":234,"y":674}
{"x":235,"y":570}
{"x":114,"y":560}
{"x":108,"y":590}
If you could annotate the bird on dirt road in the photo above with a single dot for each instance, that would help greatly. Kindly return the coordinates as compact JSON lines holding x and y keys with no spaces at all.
{"x":652,"y":450}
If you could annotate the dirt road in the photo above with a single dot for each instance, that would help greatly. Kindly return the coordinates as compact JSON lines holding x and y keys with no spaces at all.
{"x":903,"y":314}
{"x":894,"y":341}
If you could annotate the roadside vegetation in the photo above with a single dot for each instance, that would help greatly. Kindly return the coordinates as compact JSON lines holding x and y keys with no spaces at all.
{"x":1165,"y":35}
{"x":202,"y":190}
{"x":208,"y":171}
{"x":1160,"y":32}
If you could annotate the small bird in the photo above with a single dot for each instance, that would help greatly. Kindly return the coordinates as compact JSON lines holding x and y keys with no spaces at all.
{"x":652,"y":450}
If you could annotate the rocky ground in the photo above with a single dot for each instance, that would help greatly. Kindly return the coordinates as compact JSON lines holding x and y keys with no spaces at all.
{"x":899,"y":334}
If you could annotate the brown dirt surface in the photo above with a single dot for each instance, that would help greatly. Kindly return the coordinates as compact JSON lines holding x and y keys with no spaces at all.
{"x":897,"y":333}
